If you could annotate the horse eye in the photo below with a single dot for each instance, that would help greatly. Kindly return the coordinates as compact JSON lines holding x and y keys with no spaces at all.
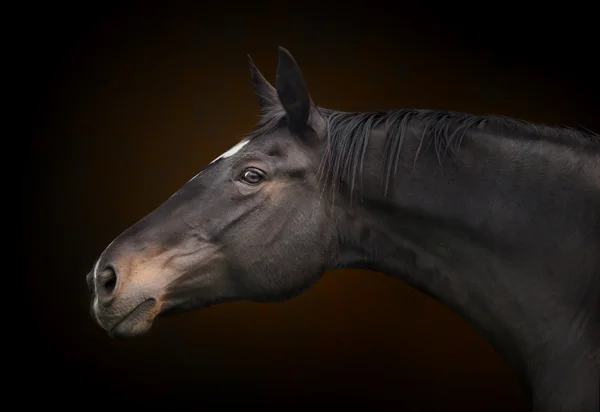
{"x":252,"y":176}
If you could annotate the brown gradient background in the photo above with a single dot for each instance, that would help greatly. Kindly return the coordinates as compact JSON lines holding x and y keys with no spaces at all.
{"x":130,"y":102}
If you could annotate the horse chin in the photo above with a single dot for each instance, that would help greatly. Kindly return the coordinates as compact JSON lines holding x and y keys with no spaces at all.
{"x":137,"y":323}
{"x":176,"y":310}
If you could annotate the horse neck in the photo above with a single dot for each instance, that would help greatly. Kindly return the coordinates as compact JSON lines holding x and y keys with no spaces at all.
{"x":502,"y":238}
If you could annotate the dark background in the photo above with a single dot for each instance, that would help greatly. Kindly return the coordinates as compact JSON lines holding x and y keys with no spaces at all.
{"x":128,"y":102}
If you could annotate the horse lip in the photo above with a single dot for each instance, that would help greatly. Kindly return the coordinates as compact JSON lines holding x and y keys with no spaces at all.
{"x":139,"y":309}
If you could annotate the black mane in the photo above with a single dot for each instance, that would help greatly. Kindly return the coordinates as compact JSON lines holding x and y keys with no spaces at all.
{"x":348,"y":136}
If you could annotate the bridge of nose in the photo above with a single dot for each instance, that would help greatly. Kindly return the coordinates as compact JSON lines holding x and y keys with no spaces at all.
{"x":89,"y":280}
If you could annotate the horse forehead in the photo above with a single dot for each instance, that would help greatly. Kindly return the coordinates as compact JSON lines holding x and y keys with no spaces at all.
{"x":225,"y":155}
{"x":233,"y":150}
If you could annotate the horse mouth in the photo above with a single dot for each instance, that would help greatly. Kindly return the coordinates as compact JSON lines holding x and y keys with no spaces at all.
{"x":135,"y":323}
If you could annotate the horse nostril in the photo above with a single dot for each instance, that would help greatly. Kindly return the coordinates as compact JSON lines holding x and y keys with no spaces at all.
{"x":106,"y":283}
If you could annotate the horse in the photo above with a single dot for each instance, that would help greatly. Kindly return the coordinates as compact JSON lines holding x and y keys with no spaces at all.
{"x":496,"y":218}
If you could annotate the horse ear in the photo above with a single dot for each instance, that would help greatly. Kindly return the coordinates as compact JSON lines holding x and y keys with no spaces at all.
{"x":267,"y":95}
{"x":295,"y":98}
